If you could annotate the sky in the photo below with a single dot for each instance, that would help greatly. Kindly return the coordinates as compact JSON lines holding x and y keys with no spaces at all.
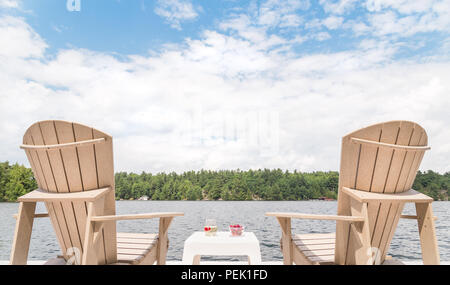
{"x":187,"y":85}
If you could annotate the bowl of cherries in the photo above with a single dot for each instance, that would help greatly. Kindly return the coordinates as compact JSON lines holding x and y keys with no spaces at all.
{"x":210,"y":231}
{"x":236,"y":230}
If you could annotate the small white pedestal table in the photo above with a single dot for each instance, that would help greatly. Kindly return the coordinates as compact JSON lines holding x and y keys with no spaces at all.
{"x":223,"y":243}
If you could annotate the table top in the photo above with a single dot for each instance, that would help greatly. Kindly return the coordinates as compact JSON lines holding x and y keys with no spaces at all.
{"x":222,"y":237}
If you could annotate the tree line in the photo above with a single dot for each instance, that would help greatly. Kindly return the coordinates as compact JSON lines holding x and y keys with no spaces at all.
{"x":231,"y":185}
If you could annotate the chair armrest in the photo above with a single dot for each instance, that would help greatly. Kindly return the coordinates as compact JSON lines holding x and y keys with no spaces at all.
{"x":40,"y":195}
{"x":316,"y":217}
{"x":410,"y":196}
{"x":411,"y":217}
{"x":43,"y":215}
{"x":136,"y":216}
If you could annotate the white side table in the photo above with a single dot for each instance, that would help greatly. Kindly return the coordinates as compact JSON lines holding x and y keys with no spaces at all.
{"x":223,"y":243}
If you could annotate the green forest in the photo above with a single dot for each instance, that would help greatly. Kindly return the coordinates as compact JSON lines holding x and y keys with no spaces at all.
{"x":231,"y":185}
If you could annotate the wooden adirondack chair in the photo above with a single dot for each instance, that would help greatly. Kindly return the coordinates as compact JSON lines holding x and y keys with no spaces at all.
{"x":73,"y":166}
{"x":378,"y":167}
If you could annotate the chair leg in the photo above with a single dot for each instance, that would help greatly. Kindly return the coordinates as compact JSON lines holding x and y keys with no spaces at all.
{"x":359,"y":239}
{"x":427,"y":232}
{"x":89,"y":249}
{"x":163,"y":240}
{"x":286,"y":240}
{"x":22,"y":233}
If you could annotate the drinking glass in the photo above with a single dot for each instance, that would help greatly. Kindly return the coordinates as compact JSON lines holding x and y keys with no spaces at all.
{"x":210,"y":227}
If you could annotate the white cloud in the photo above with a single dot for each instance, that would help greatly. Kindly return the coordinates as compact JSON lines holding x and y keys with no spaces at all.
{"x":333,"y":22}
{"x":338,"y":6}
{"x":247,"y":30}
{"x":290,"y":20}
{"x":393,"y":19}
{"x":359,"y":28}
{"x":274,"y":13}
{"x":389,"y":23}
{"x":402,"y":6}
{"x":9,"y":4}
{"x":167,"y":111}
{"x":322,"y":36}
{"x":20,"y":40}
{"x":402,"y":18}
{"x":176,"y":11}
{"x":260,"y":24}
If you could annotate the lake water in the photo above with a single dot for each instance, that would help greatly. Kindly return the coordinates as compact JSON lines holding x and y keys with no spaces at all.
{"x":405,"y":245}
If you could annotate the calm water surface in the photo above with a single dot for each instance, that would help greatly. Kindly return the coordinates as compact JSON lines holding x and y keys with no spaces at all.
{"x":405,"y":245}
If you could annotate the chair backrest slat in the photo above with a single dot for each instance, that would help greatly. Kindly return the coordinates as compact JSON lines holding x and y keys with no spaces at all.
{"x":105,"y":176}
{"x":389,"y":133}
{"x":59,"y":210}
{"x":373,"y":167}
{"x":88,"y":170}
{"x":39,"y":176}
{"x":74,"y":213}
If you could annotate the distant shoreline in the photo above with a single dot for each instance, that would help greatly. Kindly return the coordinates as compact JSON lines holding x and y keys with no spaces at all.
{"x":313,"y":200}
{"x":204,"y":200}
{"x":227,"y":185}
